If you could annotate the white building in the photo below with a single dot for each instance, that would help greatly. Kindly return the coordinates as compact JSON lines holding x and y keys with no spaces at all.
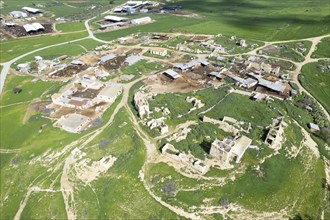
{"x":114,"y":18}
{"x":73,"y":123}
{"x":313,"y":127}
{"x":90,"y":82}
{"x":139,"y":21}
{"x":110,"y":92}
{"x":33,"y":27}
{"x":172,"y":74}
{"x":32,"y":10}
{"x":24,"y":67}
{"x":158,"y":51}
{"x":18,"y":14}
{"x":107,"y":57}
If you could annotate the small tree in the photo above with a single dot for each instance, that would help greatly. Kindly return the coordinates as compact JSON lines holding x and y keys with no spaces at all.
{"x":224,"y":202}
{"x":169,"y":189}
{"x":17,"y":90}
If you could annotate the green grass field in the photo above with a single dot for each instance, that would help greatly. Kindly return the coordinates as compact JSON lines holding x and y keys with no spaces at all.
{"x":316,"y":81}
{"x":15,"y":48}
{"x":323,"y":49}
{"x":30,"y":90}
{"x":295,"y":51}
{"x":143,"y":66}
{"x":48,"y":205}
{"x":256,"y":19}
{"x":272,"y":192}
{"x":71,"y":26}
{"x":71,"y":49}
{"x":261,"y":19}
{"x":62,"y":8}
{"x":243,"y":109}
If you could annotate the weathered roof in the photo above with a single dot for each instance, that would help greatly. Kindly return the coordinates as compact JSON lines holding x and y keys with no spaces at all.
{"x":112,"y":24}
{"x":215,"y":74}
{"x":72,"y":122}
{"x":33,"y":27}
{"x":32,"y":10}
{"x":38,"y":26}
{"x":204,"y":62}
{"x":29,"y":27}
{"x":241,"y":144}
{"x":118,"y":9}
{"x":133,"y":59}
{"x":114,"y":18}
{"x":158,"y":49}
{"x":10,"y":24}
{"x":246,"y":82}
{"x":259,"y":96}
{"x":18,"y":14}
{"x":111,"y":90}
{"x":77,"y":62}
{"x":276,"y":86}
{"x":314,"y":126}
{"x":141,"y":20}
{"x":192,"y":63}
{"x":172,"y":74}
{"x":107,"y":57}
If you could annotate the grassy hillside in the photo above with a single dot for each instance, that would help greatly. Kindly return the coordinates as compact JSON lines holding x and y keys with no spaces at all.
{"x":323,"y":49}
{"x":256,"y":19}
{"x":261,"y":19}
{"x":317,"y":80}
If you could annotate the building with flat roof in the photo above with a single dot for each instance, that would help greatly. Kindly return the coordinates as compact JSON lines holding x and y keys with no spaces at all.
{"x":90,"y":82}
{"x":114,"y":18}
{"x":107,"y":57}
{"x":73,"y":123}
{"x":192,"y":64}
{"x":32,"y":10}
{"x":229,"y":149}
{"x":110,"y":92}
{"x":18,"y":14}
{"x":172,"y":74}
{"x":313,"y":127}
{"x":143,"y":20}
{"x":133,"y":59}
{"x":158,"y":51}
{"x":33,"y":27}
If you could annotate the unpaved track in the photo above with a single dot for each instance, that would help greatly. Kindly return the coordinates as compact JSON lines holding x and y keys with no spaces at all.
{"x":66,"y":186}
{"x":151,"y":156}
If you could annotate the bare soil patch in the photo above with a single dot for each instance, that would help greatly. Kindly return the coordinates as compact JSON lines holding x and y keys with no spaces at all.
{"x":70,"y":71}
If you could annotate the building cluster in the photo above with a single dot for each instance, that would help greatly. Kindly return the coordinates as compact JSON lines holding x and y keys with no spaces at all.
{"x":86,"y":94}
{"x":28,"y":21}
{"x":114,"y":22}
{"x":257,"y":75}
{"x":132,"y":7}
{"x":26,"y":11}
{"x":141,"y":7}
